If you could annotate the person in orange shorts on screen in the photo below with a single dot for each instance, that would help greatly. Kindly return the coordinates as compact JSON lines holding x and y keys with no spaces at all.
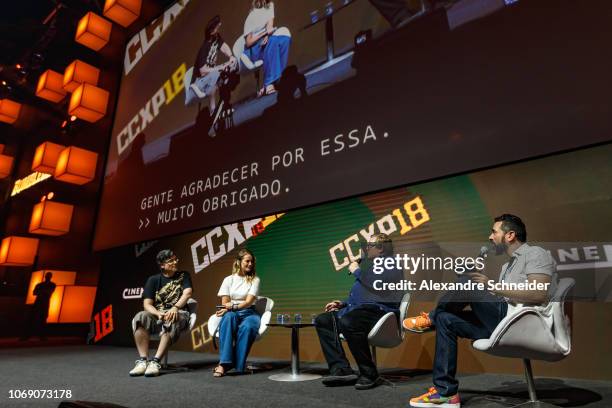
{"x":488,"y":308}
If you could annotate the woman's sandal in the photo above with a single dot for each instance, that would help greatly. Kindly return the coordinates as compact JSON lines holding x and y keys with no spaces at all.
{"x":218,"y":371}
{"x":270,"y":89}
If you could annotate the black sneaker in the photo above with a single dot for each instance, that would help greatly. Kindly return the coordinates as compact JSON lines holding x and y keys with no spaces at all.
{"x":365,"y":383}
{"x":339,"y":378}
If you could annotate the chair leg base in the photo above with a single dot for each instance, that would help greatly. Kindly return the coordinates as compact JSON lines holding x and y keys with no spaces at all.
{"x":485,"y":401}
{"x":253,"y":367}
{"x":535,"y":404}
{"x":170,"y":368}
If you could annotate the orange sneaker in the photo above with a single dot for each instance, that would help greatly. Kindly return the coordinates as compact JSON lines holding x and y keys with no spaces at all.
{"x":432,"y":399}
{"x":418,"y":324}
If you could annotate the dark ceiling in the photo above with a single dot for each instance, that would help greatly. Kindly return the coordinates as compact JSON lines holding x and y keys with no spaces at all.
{"x":36,"y":35}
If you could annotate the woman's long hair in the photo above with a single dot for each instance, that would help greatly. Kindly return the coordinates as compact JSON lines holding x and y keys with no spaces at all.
{"x":236,"y":267}
{"x":210,"y":27}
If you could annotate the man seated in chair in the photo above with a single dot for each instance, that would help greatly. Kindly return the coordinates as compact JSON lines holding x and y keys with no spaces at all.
{"x":355,"y":317}
{"x":206,"y":71}
{"x":165,"y":300}
{"x":488,"y":308}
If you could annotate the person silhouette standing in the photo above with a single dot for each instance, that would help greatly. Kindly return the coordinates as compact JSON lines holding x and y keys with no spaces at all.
{"x":40,"y":310}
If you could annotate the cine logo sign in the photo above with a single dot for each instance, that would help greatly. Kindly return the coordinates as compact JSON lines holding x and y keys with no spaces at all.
{"x":103,"y":323}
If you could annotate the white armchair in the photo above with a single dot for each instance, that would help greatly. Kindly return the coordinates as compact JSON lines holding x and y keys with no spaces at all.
{"x":388,"y":332}
{"x":263,"y":306}
{"x":533,"y":333}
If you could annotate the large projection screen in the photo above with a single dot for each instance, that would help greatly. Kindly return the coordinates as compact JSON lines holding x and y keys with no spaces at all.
{"x":425,"y":101}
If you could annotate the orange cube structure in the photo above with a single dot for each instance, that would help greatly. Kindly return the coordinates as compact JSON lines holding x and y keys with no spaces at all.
{"x":51,"y":86}
{"x":79,"y":72}
{"x":18,"y":251}
{"x":123,"y":12}
{"x":6,"y":165}
{"x":45,"y":157}
{"x":60,"y":278}
{"x":93,"y":31}
{"x":51,"y":218}
{"x":76,"y":165}
{"x":9,"y":110}
{"x":88,"y":102}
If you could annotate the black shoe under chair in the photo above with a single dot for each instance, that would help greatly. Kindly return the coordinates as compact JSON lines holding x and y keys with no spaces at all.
{"x":365,"y":383}
{"x":340,"y":378}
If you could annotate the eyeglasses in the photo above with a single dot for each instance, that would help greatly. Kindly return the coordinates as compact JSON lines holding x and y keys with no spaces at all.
{"x":171,"y":261}
{"x":373,"y":245}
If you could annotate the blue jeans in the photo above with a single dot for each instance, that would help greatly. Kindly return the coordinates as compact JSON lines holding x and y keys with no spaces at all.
{"x":274,"y":55}
{"x":452,"y":321}
{"x":237,"y":332}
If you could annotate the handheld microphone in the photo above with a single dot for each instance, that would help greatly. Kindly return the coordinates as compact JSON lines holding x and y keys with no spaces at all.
{"x":358,"y":260}
{"x":484,"y":250}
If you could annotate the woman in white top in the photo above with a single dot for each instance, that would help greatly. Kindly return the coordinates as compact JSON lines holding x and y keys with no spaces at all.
{"x":239,"y":321}
{"x":265,"y":42}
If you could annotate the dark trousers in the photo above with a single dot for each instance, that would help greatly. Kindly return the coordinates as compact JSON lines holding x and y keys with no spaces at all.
{"x":355,"y":326}
{"x":452,"y":321}
{"x":394,"y":11}
{"x":36,"y":322}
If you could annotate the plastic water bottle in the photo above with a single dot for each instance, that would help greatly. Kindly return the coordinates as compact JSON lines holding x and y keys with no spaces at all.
{"x":279,"y":318}
{"x":313,"y":317}
{"x":298,"y":318}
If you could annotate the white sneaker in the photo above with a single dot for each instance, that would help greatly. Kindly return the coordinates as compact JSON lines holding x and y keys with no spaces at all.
{"x":152,"y":369}
{"x":139,"y":368}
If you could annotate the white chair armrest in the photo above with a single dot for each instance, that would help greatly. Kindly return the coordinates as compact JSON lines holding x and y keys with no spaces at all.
{"x":250,"y":65}
{"x":192,"y":320}
{"x":385,"y":332}
{"x":265,"y":319}
{"x":213,"y":325}
{"x":187,"y":77}
{"x":282,"y":31}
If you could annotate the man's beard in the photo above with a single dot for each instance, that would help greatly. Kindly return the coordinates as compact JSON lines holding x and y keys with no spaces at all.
{"x":500,"y":248}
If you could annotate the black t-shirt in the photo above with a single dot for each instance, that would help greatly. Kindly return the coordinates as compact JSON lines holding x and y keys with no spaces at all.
{"x":207,"y":56}
{"x":165,"y":292}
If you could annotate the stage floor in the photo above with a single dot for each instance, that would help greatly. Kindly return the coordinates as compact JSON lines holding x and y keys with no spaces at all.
{"x":96,"y":373}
